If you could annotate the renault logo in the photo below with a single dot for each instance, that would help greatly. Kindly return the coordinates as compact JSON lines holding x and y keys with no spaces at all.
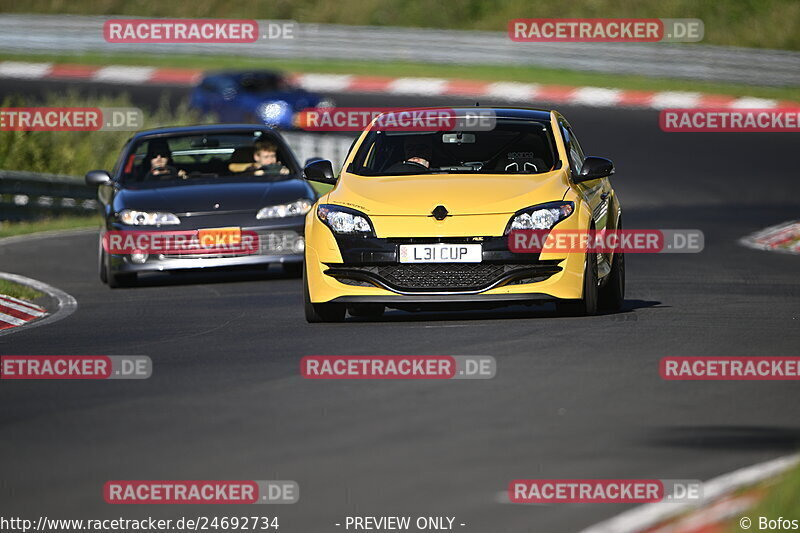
{"x":440,"y":213}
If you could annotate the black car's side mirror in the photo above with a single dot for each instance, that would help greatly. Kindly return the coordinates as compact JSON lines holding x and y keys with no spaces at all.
{"x":312,"y":160}
{"x":594,"y":168}
{"x":97,"y":177}
{"x":321,"y":171}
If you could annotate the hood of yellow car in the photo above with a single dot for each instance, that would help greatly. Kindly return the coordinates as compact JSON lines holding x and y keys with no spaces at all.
{"x":461,"y":194}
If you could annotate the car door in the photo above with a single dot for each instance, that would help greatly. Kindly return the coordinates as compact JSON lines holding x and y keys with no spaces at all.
{"x":596,"y":193}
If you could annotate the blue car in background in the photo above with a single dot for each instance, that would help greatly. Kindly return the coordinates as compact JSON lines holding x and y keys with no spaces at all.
{"x":262,"y":97}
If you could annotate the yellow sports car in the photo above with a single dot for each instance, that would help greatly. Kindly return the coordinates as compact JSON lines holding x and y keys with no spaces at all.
{"x":421,"y":220}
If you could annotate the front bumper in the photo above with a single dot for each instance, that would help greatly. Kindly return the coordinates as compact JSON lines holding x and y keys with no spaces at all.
{"x":276,"y":245}
{"x":367,"y":270}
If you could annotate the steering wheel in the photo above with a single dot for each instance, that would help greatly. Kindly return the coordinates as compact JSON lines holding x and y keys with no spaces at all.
{"x":420,"y":165}
{"x":475,"y":165}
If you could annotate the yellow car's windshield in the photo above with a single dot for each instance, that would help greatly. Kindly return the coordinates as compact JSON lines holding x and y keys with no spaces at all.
{"x":512,"y":147}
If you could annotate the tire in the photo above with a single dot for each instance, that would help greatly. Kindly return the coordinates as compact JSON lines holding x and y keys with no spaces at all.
{"x":293,"y":270}
{"x":612,"y":294}
{"x":327,"y":312}
{"x":117,"y":280}
{"x":587,"y":305}
{"x":102,"y":265}
{"x":366,"y":310}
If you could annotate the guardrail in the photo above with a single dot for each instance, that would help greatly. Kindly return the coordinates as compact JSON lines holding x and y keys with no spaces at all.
{"x":80,"y":34}
{"x":30,"y":195}
{"x":330,"y":146}
{"x":27,"y":196}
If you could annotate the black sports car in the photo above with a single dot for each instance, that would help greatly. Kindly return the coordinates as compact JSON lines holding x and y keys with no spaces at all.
{"x":201,"y":197}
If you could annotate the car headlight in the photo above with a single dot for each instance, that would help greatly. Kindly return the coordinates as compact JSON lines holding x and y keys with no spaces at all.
{"x":543,"y":216}
{"x":147,"y":218}
{"x":344,"y":220}
{"x":294,"y":209}
{"x":271,"y":112}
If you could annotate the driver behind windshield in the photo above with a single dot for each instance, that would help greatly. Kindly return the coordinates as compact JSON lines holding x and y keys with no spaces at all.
{"x":162,"y":166}
{"x":265,"y":156}
{"x":417,"y":157}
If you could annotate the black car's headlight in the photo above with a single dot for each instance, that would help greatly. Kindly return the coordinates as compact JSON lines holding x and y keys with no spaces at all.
{"x":132,"y":217}
{"x":543,"y":216}
{"x":344,"y":220}
{"x":294,"y":209}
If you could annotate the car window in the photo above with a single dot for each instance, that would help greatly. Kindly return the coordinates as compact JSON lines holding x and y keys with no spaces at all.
{"x":187,"y":158}
{"x":513,"y":147}
{"x":574,"y":150}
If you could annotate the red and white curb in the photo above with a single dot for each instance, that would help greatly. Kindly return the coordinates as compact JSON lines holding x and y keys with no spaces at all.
{"x":718,"y":503}
{"x":344,"y":83}
{"x":15,"y":312}
{"x":781,"y":238}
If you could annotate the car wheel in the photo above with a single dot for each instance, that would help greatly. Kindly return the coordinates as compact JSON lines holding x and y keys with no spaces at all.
{"x":588,"y":304}
{"x":327,"y":312}
{"x":102,"y":266}
{"x":612,"y":294}
{"x":293,"y":270}
{"x":116,"y":280}
{"x":366,"y":310}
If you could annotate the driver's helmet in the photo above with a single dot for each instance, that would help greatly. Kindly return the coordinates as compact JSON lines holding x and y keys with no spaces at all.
{"x":158,"y":147}
{"x":417,"y":148}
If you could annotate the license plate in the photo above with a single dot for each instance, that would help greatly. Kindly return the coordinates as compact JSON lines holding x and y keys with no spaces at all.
{"x":212,"y":237}
{"x":441,"y":253}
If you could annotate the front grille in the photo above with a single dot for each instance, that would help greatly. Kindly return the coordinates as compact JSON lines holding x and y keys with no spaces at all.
{"x":443,"y":276}
{"x":439,"y":276}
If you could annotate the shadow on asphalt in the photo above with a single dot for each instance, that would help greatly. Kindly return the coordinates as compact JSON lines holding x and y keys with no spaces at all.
{"x":205,"y":277}
{"x":517,"y":311}
{"x":728,"y":437}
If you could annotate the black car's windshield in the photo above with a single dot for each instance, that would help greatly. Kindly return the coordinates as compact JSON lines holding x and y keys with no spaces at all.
{"x":514,"y":146}
{"x":186,"y":159}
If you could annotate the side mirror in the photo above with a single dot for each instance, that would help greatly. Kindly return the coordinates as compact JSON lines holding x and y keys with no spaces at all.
{"x":312,"y":160}
{"x":97,"y":177}
{"x":594,"y":168}
{"x":321,"y":171}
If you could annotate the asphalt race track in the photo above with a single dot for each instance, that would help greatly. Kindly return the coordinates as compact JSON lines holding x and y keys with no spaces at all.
{"x":573,"y":397}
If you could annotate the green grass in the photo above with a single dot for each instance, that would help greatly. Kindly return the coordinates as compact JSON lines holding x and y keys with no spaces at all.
{"x":12,"y":229}
{"x":15,"y":290}
{"x":752,"y":23}
{"x":398,"y":69}
{"x":781,"y":500}
{"x":76,"y":152}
